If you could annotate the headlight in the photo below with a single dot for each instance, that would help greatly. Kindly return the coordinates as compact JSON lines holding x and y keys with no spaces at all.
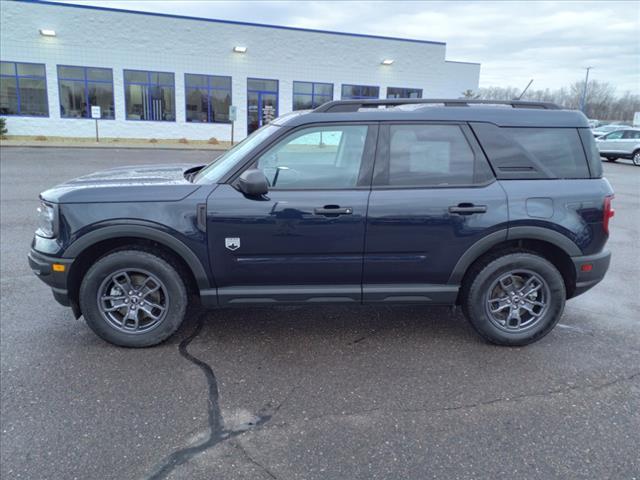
{"x":46,"y":220}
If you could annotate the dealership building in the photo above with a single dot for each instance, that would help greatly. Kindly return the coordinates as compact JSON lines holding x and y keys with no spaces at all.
{"x":167,"y":76}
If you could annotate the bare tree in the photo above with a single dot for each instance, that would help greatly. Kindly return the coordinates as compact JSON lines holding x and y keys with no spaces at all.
{"x":470,"y":94}
{"x":601,"y":101}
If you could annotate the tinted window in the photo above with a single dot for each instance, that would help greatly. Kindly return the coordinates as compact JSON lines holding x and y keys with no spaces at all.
{"x":80,"y":88}
{"x":308,"y":95}
{"x":394,"y":92}
{"x":208,"y":98}
{"x":359,"y":92}
{"x":430,"y":155}
{"x":262,"y":85}
{"x":593,"y":154}
{"x":633,"y":134}
{"x":149,"y":95}
{"x":557,"y":149}
{"x":23,"y":89}
{"x":319,"y":157}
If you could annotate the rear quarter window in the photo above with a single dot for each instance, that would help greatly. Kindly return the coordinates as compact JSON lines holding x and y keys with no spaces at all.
{"x":559,"y":150}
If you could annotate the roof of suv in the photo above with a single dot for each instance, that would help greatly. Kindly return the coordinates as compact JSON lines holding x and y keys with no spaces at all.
{"x":501,"y":113}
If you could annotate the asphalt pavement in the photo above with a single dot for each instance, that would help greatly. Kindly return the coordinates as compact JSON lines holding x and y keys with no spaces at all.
{"x":311,"y":392}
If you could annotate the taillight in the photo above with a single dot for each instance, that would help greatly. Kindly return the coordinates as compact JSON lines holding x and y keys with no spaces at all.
{"x":609,"y":212}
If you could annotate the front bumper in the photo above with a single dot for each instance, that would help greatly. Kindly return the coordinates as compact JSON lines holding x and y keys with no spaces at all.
{"x":43,"y":267}
{"x":590,"y":270}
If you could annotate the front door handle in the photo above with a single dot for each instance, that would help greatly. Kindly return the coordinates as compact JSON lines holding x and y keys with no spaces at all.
{"x":467,"y":209}
{"x":333,"y":210}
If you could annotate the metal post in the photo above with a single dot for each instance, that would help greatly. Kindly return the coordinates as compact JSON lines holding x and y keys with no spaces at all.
{"x":97,"y":137}
{"x":232,"y":124}
{"x":584,"y":90}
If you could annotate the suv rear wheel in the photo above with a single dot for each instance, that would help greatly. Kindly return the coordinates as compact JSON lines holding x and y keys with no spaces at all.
{"x":133,"y":298}
{"x":514,"y":299}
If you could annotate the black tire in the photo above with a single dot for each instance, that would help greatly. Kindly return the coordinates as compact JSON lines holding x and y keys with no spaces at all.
{"x":610,"y":159}
{"x":135,"y":264}
{"x":635,"y":158}
{"x":479,"y":284}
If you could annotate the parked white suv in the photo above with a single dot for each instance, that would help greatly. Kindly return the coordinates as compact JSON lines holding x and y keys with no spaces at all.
{"x":620,"y":144}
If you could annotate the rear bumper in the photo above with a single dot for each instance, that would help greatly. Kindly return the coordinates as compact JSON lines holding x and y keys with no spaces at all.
{"x":587,"y":278}
{"x":42,"y":267}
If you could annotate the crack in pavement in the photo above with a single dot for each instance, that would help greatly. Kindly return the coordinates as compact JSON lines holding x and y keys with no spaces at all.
{"x":217,"y":433}
{"x":252,"y":460}
{"x":482,"y":403}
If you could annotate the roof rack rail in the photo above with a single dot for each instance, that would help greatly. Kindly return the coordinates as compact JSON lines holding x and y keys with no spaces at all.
{"x":337,"y":106}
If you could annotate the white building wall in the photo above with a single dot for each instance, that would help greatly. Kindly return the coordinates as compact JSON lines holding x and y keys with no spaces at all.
{"x":121,"y":40}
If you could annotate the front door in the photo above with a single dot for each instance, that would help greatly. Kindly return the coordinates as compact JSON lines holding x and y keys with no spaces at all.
{"x":433,"y":196}
{"x":304,"y":240}
{"x":262,"y":102}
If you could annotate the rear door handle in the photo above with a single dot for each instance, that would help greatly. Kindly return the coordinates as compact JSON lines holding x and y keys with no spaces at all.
{"x":467,"y":209}
{"x":333,"y":210}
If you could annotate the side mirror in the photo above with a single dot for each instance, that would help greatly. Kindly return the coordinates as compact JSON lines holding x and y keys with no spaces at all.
{"x":253,"y":183}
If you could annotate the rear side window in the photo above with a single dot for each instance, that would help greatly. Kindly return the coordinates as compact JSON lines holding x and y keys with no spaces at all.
{"x":430,"y":156}
{"x":559,"y":150}
{"x":592,"y":152}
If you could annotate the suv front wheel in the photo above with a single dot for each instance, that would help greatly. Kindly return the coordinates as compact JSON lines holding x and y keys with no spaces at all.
{"x":514,"y":298}
{"x":133,"y":298}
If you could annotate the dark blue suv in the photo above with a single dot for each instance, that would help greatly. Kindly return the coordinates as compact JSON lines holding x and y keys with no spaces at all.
{"x":499,"y":207}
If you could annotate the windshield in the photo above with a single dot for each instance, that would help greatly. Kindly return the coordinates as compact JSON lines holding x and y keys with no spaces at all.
{"x":213,"y":172}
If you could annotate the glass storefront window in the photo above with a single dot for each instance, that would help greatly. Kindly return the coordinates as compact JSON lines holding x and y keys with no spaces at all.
{"x":208,"y":98}
{"x":81,"y":88}
{"x":149,"y":95}
{"x":23,"y":89}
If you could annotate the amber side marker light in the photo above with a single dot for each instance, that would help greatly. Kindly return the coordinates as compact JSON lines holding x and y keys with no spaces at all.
{"x":58,"y":267}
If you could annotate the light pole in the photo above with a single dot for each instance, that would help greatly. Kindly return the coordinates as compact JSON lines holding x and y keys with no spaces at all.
{"x":584,"y":90}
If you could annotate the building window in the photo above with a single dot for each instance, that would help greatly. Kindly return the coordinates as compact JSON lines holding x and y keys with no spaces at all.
{"x":23,"y":89}
{"x":208,"y":98}
{"x":395,"y":92}
{"x":359,"y":92}
{"x":83,"y":87}
{"x":308,"y":95}
{"x":149,"y":95}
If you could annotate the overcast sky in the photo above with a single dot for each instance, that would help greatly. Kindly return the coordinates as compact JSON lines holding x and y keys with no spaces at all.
{"x":550,"y":42}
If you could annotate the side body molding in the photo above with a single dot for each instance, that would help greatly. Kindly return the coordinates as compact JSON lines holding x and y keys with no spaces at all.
{"x":514,"y":233}
{"x":147,"y":233}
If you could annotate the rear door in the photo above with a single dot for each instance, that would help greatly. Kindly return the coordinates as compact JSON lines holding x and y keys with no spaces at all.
{"x":630,"y":141}
{"x":433,"y":196}
{"x":304,"y":240}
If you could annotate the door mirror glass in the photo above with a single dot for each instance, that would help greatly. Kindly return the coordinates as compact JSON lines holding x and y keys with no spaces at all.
{"x":253,"y":183}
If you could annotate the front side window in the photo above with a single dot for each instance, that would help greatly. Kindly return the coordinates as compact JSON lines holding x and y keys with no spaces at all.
{"x":359,"y":92}
{"x":557,"y":149}
{"x":149,"y":95}
{"x":430,"y":156}
{"x":83,"y":87}
{"x":23,"y":89}
{"x":614,"y":135}
{"x":394,"y":92}
{"x":309,"y":95}
{"x":317,"y":157}
{"x":208,"y":98}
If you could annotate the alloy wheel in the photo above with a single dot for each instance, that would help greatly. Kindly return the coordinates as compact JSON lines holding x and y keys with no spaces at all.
{"x":517,"y":300}
{"x":133,"y":301}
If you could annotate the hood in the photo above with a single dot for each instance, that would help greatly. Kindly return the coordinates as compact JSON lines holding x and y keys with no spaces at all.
{"x":127,"y":184}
